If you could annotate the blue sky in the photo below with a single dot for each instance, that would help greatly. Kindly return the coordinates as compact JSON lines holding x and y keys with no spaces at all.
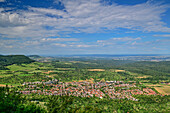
{"x":62,"y":27}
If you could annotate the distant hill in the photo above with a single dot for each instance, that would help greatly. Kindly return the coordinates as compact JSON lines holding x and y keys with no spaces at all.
{"x":13,"y":59}
{"x":34,"y":56}
{"x":161,"y":68}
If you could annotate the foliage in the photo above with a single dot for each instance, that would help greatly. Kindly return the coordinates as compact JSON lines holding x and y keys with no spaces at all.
{"x":146,"y":104}
{"x":12,"y":102}
{"x":149,"y":68}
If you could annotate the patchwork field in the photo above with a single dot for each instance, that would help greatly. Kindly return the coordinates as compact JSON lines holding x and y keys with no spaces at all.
{"x":161,"y":88}
{"x":165,"y":90}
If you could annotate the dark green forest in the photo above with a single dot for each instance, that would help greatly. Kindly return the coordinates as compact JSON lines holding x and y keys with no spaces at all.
{"x":149,"y":68}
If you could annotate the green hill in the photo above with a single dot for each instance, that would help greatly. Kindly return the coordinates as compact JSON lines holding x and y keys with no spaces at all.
{"x":13,"y":59}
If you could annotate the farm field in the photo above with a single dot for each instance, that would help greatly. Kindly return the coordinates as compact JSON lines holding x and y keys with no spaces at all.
{"x":165,"y":90}
{"x":96,"y":69}
{"x":2,"y":85}
{"x":142,"y":77}
{"x":161,"y":88}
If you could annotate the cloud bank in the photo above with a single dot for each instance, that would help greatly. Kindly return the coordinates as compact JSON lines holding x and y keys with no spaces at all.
{"x":81,"y":16}
{"x":40,"y":30}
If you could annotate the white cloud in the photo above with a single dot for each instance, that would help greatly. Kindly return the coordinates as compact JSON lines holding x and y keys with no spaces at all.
{"x":119,"y":41}
{"x":83,"y":46}
{"x":126,"y":39}
{"x":60,"y":39}
{"x":8,"y":44}
{"x":164,"y":35}
{"x":33,"y":27}
{"x":49,"y":11}
{"x":2,"y":0}
{"x":12,"y":20}
{"x":89,"y":16}
{"x":75,"y":45}
{"x":60,"y":45}
{"x":101,"y":46}
{"x":1,"y":9}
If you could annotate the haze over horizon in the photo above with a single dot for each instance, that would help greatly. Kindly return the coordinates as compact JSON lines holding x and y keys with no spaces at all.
{"x":65,"y":27}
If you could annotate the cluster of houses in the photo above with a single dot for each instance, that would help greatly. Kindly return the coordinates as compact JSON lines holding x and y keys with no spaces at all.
{"x":111,"y":89}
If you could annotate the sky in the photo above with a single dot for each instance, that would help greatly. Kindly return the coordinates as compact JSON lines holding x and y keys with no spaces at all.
{"x":66,"y":27}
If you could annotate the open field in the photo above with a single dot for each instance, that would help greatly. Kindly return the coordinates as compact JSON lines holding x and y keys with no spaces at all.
{"x":9,"y":85}
{"x":48,"y":72}
{"x":165,"y":90}
{"x":5,"y":75}
{"x":65,"y":68}
{"x":25,"y":75}
{"x":15,"y":67}
{"x":96,"y":69}
{"x":161,"y":88}
{"x":142,"y":77}
{"x":2,"y":85}
{"x":117,"y":70}
{"x":81,"y":62}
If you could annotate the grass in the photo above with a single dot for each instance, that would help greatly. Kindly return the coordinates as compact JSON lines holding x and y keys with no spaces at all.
{"x":36,"y":71}
{"x":26,"y":75}
{"x":6,"y":75}
{"x":2,"y":71}
{"x":27,"y":67}
{"x":15,"y":67}
{"x":30,"y":69}
{"x":68,"y":63}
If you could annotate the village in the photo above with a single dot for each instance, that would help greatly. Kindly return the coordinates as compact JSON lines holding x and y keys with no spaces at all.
{"x":110,"y":89}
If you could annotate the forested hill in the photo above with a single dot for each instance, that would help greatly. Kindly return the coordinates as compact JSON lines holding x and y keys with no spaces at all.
{"x":161,"y":68}
{"x":13,"y":59}
{"x":34,"y":56}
